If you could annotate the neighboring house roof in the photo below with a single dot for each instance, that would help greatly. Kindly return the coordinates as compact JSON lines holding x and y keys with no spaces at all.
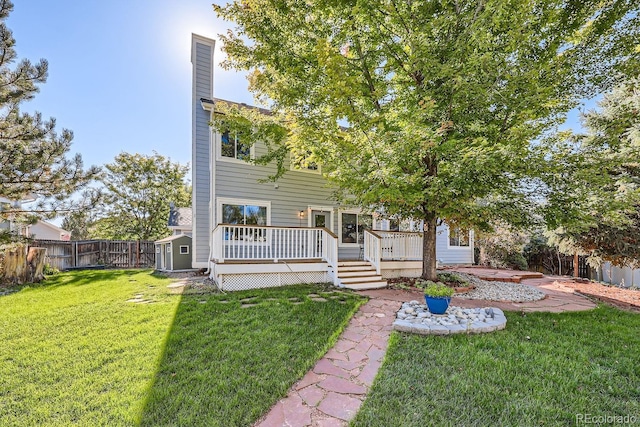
{"x":180,"y":217}
{"x":172,"y":238}
{"x":26,"y":199}
{"x":64,"y":234}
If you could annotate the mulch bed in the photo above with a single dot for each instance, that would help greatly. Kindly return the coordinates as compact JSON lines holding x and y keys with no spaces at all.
{"x":625,"y":299}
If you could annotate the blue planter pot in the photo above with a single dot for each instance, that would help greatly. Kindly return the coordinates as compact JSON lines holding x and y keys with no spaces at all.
{"x":437,"y":305}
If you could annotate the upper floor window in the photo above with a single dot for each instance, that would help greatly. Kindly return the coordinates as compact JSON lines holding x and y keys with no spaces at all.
{"x":231,"y":146}
{"x":458,"y":237}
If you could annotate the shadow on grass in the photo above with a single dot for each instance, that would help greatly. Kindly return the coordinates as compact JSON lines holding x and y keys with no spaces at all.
{"x":225,"y":365}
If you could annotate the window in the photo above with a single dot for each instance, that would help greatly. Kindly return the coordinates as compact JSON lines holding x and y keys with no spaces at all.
{"x":231,"y":146}
{"x":353,"y":226}
{"x":458,"y":237}
{"x":184,"y":249}
{"x":244,"y":212}
{"x":301,"y":164}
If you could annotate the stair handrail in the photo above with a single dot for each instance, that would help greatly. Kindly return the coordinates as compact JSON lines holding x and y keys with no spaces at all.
{"x":373,"y":249}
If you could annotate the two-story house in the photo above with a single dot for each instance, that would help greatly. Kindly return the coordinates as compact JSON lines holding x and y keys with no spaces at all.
{"x":256,"y":234}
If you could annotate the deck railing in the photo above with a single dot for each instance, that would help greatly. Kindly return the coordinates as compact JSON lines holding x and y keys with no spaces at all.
{"x":373,"y":249}
{"x":400,"y":245}
{"x":235,"y":242}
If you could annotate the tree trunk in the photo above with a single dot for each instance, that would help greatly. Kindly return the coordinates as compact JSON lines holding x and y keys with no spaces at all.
{"x":35,"y":264}
{"x":429,"y":249}
{"x":15,"y":265}
{"x":576,"y":261}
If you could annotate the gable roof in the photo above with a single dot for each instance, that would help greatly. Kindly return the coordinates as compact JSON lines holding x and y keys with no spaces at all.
{"x":180,"y":217}
{"x":172,"y":238}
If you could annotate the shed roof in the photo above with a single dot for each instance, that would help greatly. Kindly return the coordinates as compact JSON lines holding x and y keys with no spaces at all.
{"x":172,"y":238}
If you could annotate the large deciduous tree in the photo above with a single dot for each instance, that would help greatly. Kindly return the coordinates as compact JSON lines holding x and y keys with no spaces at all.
{"x":34,"y":157}
{"x":137,"y":195}
{"x":425,"y":109}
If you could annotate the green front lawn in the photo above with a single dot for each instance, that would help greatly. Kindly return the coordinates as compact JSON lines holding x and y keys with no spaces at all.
{"x":73,"y":351}
{"x":543,"y":369}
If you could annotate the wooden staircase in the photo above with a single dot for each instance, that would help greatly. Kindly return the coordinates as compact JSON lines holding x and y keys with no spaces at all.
{"x":359,"y":275}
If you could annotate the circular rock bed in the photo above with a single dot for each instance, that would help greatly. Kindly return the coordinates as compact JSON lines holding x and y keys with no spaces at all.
{"x":416,"y":318}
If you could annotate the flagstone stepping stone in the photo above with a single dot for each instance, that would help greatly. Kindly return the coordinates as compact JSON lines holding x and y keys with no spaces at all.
{"x":319,"y":299}
{"x":139,"y":301}
{"x":174,"y":285}
{"x":313,"y":295}
{"x":250,"y":299}
{"x":340,"y":406}
{"x":248,"y":305}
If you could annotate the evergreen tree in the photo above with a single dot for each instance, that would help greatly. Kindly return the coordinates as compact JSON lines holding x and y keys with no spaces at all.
{"x":609,"y":168}
{"x":34,"y":160}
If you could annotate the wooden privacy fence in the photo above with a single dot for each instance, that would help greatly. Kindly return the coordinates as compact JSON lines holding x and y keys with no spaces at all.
{"x":86,"y":253}
{"x":563,"y":265}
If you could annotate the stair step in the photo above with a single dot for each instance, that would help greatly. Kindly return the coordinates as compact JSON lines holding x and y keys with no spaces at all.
{"x":357,"y":273}
{"x":356,"y":268}
{"x":367,"y":285}
{"x":360,"y":279}
{"x":353,"y":263}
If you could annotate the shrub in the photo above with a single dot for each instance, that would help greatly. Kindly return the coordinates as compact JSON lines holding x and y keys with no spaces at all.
{"x":421,"y":283}
{"x":517,"y":260}
{"x":49,"y":270}
{"x":502,"y":248}
{"x":438,"y":290}
{"x":451,"y":278}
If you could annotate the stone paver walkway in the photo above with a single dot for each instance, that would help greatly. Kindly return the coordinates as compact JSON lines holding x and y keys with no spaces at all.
{"x":332,"y":392}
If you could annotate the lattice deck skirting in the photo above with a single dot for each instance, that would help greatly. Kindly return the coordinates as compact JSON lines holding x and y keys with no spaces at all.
{"x":244,"y":281}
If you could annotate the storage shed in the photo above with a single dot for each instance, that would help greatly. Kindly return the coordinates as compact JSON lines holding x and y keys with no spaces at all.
{"x":173,"y":253}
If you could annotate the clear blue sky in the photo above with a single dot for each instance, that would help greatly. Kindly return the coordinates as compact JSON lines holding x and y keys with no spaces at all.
{"x":120,"y":71}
